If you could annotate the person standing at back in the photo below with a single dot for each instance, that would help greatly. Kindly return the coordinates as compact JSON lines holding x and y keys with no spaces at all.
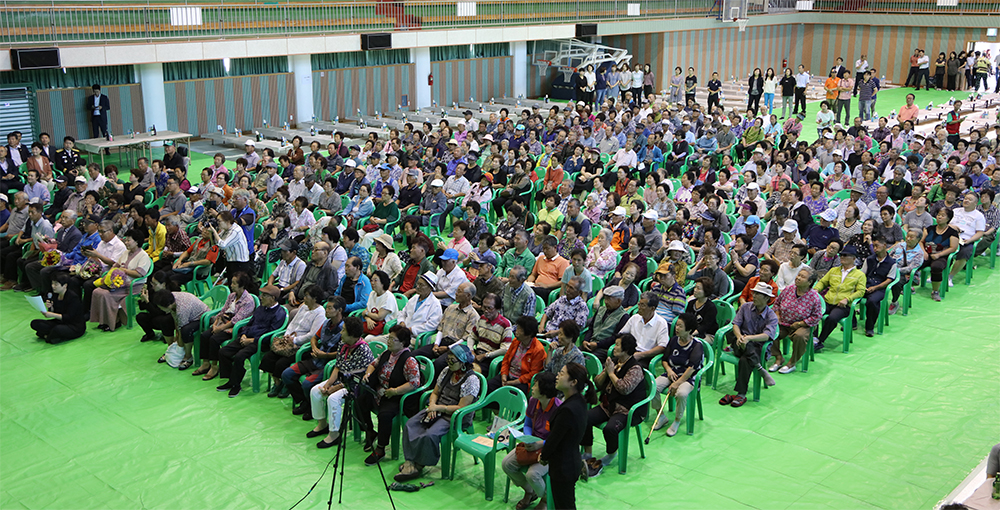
{"x":860,"y":68}
{"x":98,"y":105}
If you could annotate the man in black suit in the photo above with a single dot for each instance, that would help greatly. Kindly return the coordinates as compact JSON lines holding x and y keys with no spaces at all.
{"x":15,"y":150}
{"x":47,"y":149}
{"x":98,"y":105}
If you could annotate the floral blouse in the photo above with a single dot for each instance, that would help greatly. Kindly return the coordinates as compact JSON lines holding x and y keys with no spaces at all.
{"x":411,"y":371}
{"x":599,"y":262}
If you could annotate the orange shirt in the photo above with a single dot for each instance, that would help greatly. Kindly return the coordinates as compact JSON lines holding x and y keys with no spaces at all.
{"x":831,"y":85}
{"x":549,"y":272}
{"x":908,"y":113}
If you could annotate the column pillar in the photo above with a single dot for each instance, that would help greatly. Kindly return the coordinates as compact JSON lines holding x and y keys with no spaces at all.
{"x":519,"y":50}
{"x":421,"y":58}
{"x":301,"y":66}
{"x":154,"y":104}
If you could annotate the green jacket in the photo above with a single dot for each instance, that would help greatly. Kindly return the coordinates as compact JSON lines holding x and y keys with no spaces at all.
{"x":853,"y":287}
{"x":511,"y":259}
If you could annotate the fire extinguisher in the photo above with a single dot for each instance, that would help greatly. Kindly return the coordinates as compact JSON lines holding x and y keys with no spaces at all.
{"x":784,"y":63}
{"x":430,"y":79}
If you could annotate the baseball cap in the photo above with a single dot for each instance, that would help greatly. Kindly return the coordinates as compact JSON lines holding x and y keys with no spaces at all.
{"x":837,"y":152}
{"x":436,"y":183}
{"x":467,"y":112}
{"x":676,"y":246}
{"x":651,"y":214}
{"x":452,"y":142}
{"x":450,"y":254}
{"x":351,"y":163}
{"x":193,"y":189}
{"x":289,"y":245}
{"x":60,"y":179}
{"x":790,"y":226}
{"x":619,"y":211}
{"x":829,"y":214}
{"x":752,"y":220}
{"x":753,"y":185}
{"x":614,"y":291}
{"x":80,"y":179}
{"x":355,"y":148}
{"x":250,"y":143}
{"x":849,"y":250}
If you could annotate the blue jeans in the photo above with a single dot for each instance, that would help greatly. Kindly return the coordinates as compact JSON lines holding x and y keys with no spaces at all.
{"x":601,"y":95}
{"x":769,"y":102}
{"x":866,"y":109}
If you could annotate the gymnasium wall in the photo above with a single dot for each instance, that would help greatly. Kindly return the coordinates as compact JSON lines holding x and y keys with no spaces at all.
{"x":199,"y":106}
{"x":377,"y":88}
{"x":481,"y":78}
{"x":61,"y":112}
{"x":888,"y":48}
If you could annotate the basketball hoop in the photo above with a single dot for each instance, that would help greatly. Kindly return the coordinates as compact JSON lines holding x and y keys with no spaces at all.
{"x":742,"y":22}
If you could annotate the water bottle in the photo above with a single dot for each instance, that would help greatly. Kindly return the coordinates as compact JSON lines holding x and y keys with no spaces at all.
{"x":284,"y":141}
{"x":312,"y":131}
{"x":481,"y":110}
{"x":285,"y":126}
{"x":399,"y":107}
{"x":434,"y":104}
{"x":111,"y":137}
{"x":337,"y":119}
{"x":219,"y":127}
{"x":930,"y":105}
{"x":257,"y":135}
{"x":472,"y":99}
{"x":154,"y":129}
{"x":546,"y":99}
{"x":491,"y":101}
{"x":265,"y":123}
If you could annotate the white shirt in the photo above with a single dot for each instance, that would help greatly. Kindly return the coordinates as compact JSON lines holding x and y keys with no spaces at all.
{"x":449,"y":282}
{"x":648,"y":335}
{"x":968,"y":223}
{"x":423,"y":319}
{"x":860,"y":66}
{"x":387,"y":301}
{"x":625,"y":158}
{"x":306,"y":324}
{"x":339,"y":254}
{"x":288,"y":273}
{"x":112,"y":249}
{"x":306,"y":219}
{"x":787,"y":273}
{"x":234,"y":243}
{"x":924,"y":62}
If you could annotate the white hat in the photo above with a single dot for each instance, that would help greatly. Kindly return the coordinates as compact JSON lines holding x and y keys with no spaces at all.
{"x":790,"y":226}
{"x":828,"y":136}
{"x":837,"y":152}
{"x":759,"y":150}
{"x":764,"y":289}
{"x":488,"y":137}
{"x":753,"y":185}
{"x":686,"y":123}
{"x":194,"y":189}
{"x":80,"y":178}
{"x":581,"y":103}
{"x":3,"y":197}
{"x":431,"y":279}
{"x":829,"y":214}
{"x":437,"y":183}
{"x":218,"y":191}
{"x":676,"y":246}
{"x":351,"y":163}
{"x":651,"y":214}
{"x":473,"y":146}
{"x":250,"y":143}
{"x":452,"y":142}
{"x":619,"y":211}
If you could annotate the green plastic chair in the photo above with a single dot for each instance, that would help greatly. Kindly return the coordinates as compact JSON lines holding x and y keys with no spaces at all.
{"x":539,"y":307}
{"x":925,"y":275}
{"x":216,"y":296}
{"x":512,"y":405}
{"x":728,"y":357}
{"x":693,"y":398}
{"x":377,"y":349}
{"x":427,"y":378}
{"x":969,"y":266}
{"x":847,"y":324}
{"x":883,"y":313}
{"x":624,"y":433}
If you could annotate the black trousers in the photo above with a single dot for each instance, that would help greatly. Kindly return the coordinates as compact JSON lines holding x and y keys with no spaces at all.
{"x":55,"y":331}
{"x":613,"y":425}
{"x":834,"y":315}
{"x":275,"y":364}
{"x":232,"y":360}
{"x":873,"y":302}
{"x":910,"y":76}
{"x":800,"y":100}
{"x":753,"y":103}
{"x":387,"y":409}
{"x":749,"y":360}
{"x":211,"y":343}
{"x":713,"y":100}
{"x":925,"y":74}
{"x":151,"y":322}
{"x":99,"y":126}
{"x":563,"y":494}
{"x":857,"y":81}
{"x":9,"y":258}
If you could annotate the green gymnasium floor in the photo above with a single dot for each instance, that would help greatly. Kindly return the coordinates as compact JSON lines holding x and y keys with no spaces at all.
{"x":897,"y":423}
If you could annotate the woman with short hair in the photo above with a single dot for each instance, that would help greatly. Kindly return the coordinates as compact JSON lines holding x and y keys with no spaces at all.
{"x":521,"y":465}
{"x":395,"y":373}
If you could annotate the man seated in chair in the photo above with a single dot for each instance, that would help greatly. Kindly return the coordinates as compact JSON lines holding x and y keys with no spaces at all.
{"x":621,"y":385}
{"x":880,"y":270}
{"x":755,"y":323}
{"x":608,"y":320}
{"x":846,"y":284}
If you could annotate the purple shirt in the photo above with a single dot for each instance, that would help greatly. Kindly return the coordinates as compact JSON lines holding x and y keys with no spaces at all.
{"x":540,"y":417}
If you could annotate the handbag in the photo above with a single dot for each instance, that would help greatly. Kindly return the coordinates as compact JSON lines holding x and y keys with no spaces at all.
{"x":525,"y":457}
{"x":370,"y":227}
{"x":377,"y":330}
{"x":283,"y":346}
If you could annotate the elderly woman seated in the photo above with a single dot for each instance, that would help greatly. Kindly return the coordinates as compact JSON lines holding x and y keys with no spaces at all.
{"x":521,"y":465}
{"x":327,"y":399}
{"x":395,"y":373}
{"x":457,"y":386}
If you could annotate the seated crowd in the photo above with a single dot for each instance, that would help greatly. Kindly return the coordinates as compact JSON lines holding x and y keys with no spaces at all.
{"x":547,"y":253}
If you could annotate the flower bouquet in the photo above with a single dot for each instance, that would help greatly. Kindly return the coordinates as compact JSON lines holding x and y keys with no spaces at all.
{"x":113,"y":279}
{"x":51,"y":258}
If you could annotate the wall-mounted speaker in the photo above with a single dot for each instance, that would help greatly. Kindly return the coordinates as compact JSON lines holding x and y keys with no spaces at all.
{"x":376,"y":41}
{"x":586,"y":30}
{"x":35,"y":58}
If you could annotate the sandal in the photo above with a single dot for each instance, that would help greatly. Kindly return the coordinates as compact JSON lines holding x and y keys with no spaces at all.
{"x":726,"y":400}
{"x":525,"y":502}
{"x":185,"y":364}
{"x":209,"y":376}
{"x":738,"y":401}
{"x":200,"y":371}
{"x":405,"y":477}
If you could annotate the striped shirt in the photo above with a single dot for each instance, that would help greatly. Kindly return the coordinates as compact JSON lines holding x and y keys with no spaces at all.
{"x":234,"y":244}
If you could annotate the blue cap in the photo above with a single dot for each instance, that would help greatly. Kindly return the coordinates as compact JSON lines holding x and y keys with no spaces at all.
{"x":849,"y":250}
{"x":752,"y":220}
{"x":450,"y":254}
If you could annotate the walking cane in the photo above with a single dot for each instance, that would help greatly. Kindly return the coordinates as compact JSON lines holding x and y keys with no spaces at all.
{"x":662,"y":407}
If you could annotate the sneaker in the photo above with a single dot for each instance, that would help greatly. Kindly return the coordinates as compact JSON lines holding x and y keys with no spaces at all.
{"x":869,"y":332}
{"x":235,"y":390}
{"x":672,"y":431}
{"x":818,"y":347}
{"x":951,"y":283}
{"x":594,"y":467}
{"x":893,"y":308}
{"x":774,"y":367}
{"x":224,"y":387}
{"x":374,"y":458}
{"x":786,"y":370}
{"x":936,"y":296}
{"x":660,"y":422}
